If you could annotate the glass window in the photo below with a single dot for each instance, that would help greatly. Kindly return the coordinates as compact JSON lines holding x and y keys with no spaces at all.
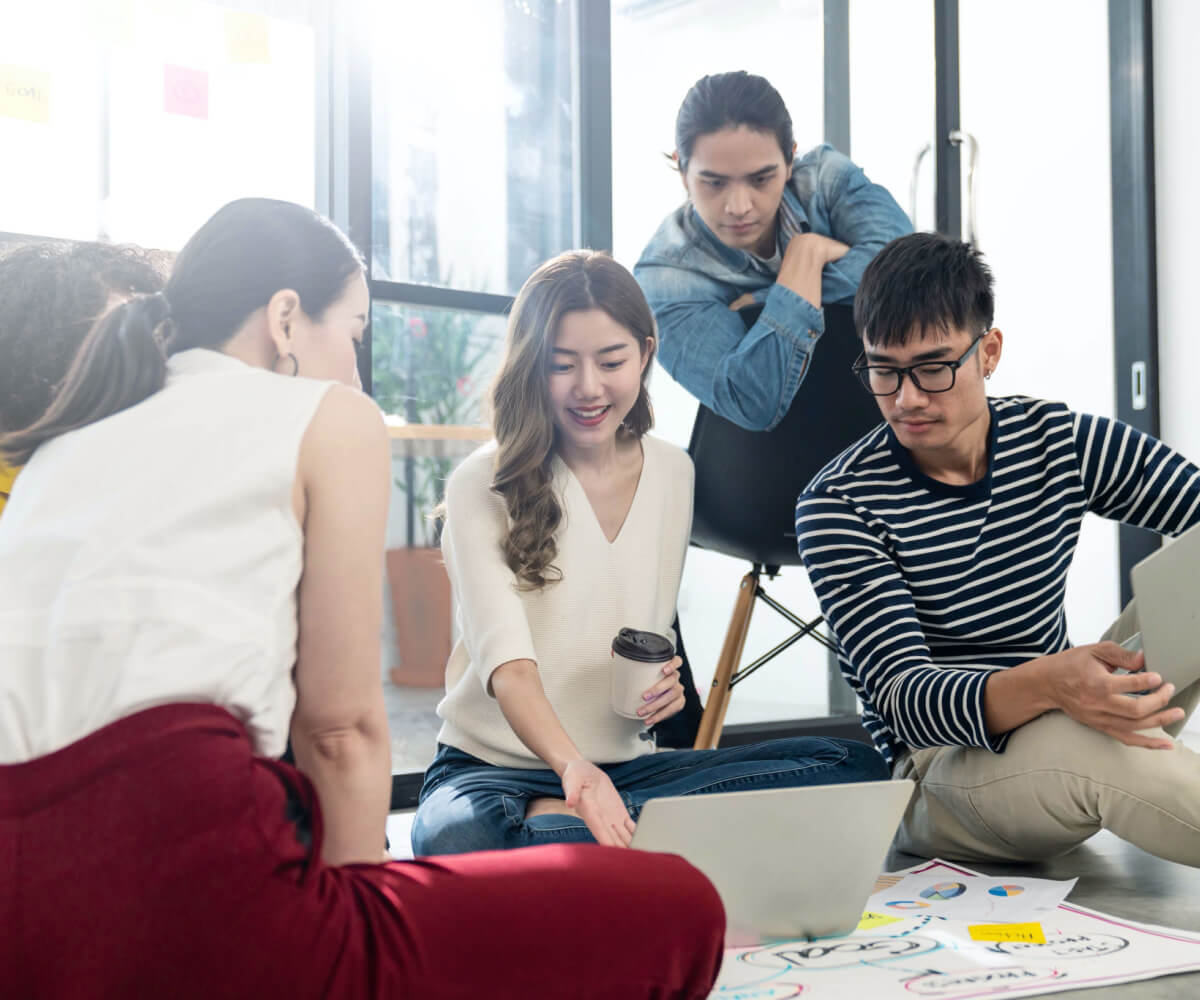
{"x":659,"y":50}
{"x":472,"y":140}
{"x":431,"y":369}
{"x":892,"y":100}
{"x":475,"y":183}
{"x":135,"y":121}
{"x":432,"y":366}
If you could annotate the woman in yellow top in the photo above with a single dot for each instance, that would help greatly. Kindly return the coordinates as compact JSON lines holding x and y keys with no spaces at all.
{"x":50,"y":295}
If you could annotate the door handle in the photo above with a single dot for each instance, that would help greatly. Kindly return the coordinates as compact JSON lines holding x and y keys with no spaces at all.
{"x":914,"y":180}
{"x":959,"y":138}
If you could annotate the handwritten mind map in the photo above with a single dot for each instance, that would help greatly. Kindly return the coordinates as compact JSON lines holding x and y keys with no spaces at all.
{"x":924,"y":954}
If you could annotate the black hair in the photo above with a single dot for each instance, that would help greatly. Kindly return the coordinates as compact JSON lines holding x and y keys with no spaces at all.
{"x":727,"y":100}
{"x":923,"y":282}
{"x":233,"y":265}
{"x":50,"y":295}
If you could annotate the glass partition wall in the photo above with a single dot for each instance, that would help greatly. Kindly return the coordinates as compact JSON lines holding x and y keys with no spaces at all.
{"x":129,"y":121}
{"x":462,"y":143}
{"x":659,"y":49}
{"x":471,"y":188}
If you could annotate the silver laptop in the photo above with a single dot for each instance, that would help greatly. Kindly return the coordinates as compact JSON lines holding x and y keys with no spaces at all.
{"x":788,"y":863}
{"x":1167,"y":587}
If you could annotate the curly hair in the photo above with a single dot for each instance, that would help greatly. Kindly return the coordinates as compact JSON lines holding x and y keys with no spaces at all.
{"x":522,"y":416}
{"x":50,"y":295}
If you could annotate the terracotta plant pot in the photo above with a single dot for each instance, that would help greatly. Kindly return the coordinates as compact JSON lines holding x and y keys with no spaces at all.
{"x":421,"y":612}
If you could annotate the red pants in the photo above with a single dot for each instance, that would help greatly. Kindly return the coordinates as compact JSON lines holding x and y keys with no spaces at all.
{"x":154,"y":858}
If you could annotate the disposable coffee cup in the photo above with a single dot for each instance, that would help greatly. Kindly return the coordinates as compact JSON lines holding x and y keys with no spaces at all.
{"x":638,"y":659}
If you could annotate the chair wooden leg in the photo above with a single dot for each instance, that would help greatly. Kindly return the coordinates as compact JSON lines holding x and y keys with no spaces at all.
{"x":713,"y":719}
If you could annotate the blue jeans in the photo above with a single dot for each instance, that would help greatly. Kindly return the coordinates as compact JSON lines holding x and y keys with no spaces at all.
{"x":467,"y":804}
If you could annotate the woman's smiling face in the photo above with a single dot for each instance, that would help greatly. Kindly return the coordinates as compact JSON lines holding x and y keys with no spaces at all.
{"x":595,"y":376}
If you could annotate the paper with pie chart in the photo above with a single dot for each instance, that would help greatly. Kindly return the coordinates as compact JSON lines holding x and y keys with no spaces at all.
{"x":977,"y":898}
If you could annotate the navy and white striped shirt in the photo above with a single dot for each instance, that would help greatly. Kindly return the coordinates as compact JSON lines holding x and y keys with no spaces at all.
{"x":930,"y":588}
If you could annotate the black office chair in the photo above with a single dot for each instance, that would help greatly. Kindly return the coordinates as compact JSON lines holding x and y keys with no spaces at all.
{"x":747,"y":483}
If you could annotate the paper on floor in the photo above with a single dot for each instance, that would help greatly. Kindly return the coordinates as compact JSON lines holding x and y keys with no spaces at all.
{"x":935,"y":957}
{"x":944,"y":890}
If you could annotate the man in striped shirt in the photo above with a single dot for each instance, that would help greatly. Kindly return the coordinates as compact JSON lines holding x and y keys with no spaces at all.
{"x":939,"y":546}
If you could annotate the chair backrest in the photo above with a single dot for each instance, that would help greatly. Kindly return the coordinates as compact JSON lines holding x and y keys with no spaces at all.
{"x":747,"y":481}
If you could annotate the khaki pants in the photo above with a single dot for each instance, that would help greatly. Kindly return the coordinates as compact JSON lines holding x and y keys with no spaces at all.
{"x":1057,"y":783}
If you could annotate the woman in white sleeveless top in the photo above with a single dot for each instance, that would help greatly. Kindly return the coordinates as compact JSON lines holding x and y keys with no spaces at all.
{"x":190,"y":570}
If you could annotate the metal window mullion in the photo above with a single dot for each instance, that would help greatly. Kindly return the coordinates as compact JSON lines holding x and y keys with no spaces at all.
{"x":836,"y":58}
{"x":323,"y":105}
{"x":836,"y":70}
{"x":346,"y":134}
{"x":1135,"y":274}
{"x":948,"y":195}
{"x":594,"y":131}
{"x":438,"y":297}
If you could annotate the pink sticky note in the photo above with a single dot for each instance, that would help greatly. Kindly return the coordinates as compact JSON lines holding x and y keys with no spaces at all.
{"x":185,"y":91}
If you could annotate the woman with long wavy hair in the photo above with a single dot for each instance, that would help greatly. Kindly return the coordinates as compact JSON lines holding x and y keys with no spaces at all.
{"x":570,"y":527}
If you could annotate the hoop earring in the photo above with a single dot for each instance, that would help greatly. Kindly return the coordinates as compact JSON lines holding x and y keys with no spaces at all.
{"x":295,"y":364}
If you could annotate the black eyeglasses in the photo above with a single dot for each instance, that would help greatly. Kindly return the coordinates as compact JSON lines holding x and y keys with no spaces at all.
{"x":928,"y":376}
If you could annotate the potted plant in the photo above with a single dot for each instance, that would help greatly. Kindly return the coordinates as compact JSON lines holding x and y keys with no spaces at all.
{"x":424,"y":369}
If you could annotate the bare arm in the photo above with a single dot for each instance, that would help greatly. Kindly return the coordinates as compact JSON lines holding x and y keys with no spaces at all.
{"x":519,"y":692}
{"x":339,"y":727}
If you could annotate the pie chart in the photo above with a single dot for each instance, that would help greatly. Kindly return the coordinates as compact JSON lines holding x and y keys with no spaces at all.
{"x":943,"y":890}
{"x":1006,"y":890}
{"x":907,"y":904}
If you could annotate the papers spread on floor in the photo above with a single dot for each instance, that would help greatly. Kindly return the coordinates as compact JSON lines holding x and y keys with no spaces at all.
{"x":926,"y":952}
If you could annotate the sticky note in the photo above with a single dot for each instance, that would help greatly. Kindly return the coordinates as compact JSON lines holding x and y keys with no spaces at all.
{"x":247,"y":37}
{"x":185,"y":91}
{"x":1031,"y":933}
{"x":24,"y":93}
{"x":872,"y":920}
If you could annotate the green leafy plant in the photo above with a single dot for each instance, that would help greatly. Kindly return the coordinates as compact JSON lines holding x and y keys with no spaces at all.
{"x":428,"y":366}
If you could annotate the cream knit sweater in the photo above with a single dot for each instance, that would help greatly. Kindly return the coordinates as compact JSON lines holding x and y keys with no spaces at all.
{"x":567,"y":627}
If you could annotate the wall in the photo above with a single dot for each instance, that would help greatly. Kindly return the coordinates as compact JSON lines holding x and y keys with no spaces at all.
{"x":1176,"y":29}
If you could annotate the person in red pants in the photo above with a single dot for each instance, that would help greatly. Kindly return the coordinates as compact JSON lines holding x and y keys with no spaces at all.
{"x":190,"y":570}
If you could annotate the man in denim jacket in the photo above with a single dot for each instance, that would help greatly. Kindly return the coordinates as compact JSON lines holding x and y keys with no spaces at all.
{"x":793,"y":234}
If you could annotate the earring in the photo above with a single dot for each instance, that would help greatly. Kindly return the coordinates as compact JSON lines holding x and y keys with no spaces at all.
{"x":295,"y":364}
{"x":987,"y":374}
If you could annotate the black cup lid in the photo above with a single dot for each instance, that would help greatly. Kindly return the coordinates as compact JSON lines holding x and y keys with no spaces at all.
{"x":647,"y":647}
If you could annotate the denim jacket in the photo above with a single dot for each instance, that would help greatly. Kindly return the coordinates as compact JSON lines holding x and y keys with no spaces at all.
{"x":690,"y":277}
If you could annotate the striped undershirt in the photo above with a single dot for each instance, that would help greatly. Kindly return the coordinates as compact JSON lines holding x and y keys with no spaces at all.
{"x":931,"y":588}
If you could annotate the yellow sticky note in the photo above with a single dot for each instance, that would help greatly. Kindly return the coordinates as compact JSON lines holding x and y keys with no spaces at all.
{"x":24,"y":93}
{"x":872,"y":920}
{"x":248,"y":37}
{"x":1031,"y":933}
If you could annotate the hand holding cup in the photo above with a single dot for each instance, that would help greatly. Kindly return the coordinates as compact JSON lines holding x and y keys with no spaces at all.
{"x":665,"y":698}
{"x":644,"y":670}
